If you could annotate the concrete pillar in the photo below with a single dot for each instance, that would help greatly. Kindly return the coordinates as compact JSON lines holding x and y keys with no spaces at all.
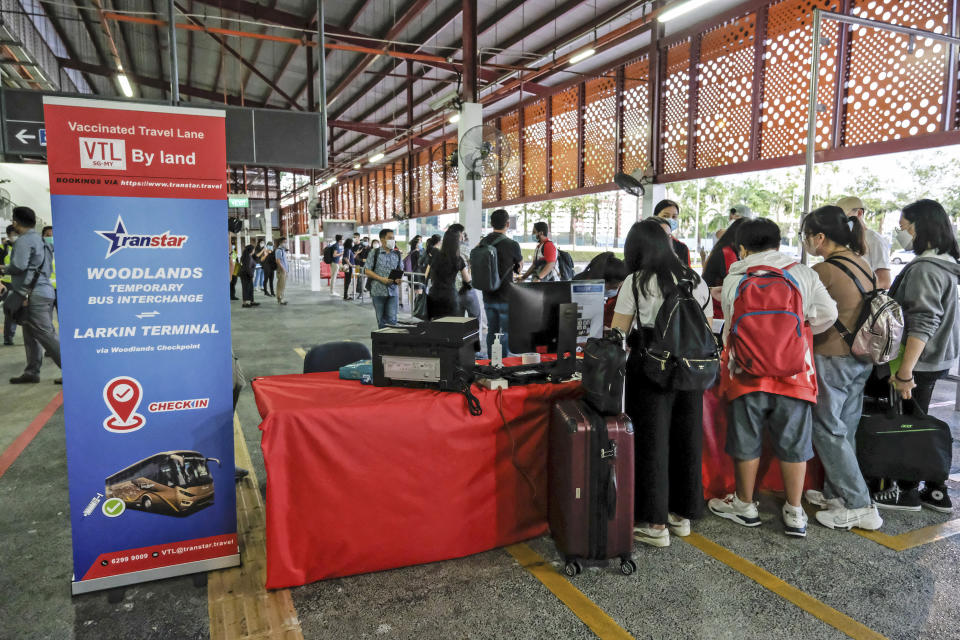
{"x":471,"y":207}
{"x":653,"y":193}
{"x":316,"y":284}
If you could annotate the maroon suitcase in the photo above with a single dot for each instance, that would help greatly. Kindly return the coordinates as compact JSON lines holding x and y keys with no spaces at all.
{"x":591,"y":486}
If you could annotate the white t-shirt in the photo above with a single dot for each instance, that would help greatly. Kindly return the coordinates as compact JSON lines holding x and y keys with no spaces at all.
{"x":649,"y":305}
{"x":878,"y":250}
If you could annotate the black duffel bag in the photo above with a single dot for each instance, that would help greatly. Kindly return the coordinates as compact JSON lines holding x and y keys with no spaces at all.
{"x":903,"y":445}
{"x":604,"y":367}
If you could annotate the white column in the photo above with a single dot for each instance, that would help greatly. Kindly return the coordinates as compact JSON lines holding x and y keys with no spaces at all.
{"x":471,"y":208}
{"x":653,"y":193}
{"x":316,"y":284}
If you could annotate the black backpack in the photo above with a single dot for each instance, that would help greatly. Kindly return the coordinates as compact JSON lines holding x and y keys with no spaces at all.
{"x":604,"y":366}
{"x":565,"y":265}
{"x":484,"y":266}
{"x":328,"y":253}
{"x":681,"y":352}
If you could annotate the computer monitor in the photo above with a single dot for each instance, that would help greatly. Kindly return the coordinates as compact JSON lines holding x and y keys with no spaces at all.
{"x":535,"y":308}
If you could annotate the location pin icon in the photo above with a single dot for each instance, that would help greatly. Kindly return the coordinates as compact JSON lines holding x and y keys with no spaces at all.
{"x":122,"y":396}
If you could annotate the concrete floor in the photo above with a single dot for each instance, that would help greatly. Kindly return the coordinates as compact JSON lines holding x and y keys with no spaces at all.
{"x":678,"y":592}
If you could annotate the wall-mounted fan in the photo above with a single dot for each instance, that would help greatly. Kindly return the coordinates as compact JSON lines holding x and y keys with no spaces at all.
{"x":315,"y":208}
{"x":484,"y":151}
{"x":632,"y":183}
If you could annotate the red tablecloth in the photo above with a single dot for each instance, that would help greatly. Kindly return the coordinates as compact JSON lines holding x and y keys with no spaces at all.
{"x":718,"y":478}
{"x":362,"y":478}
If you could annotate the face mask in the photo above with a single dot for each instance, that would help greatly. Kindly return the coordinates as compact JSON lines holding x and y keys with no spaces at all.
{"x":673,"y":224}
{"x":391,"y":244}
{"x":374,"y":246}
{"x":269,"y":246}
{"x":905,"y":239}
{"x":609,"y":293}
{"x":49,"y":240}
{"x":811,"y":248}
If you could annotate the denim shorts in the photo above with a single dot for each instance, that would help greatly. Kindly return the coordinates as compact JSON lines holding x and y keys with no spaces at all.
{"x":788,"y":420}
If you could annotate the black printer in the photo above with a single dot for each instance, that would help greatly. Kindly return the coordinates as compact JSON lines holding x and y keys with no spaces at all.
{"x":438,"y":354}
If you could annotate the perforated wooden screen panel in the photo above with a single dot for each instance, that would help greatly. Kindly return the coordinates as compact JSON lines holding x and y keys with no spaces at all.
{"x":725,"y":99}
{"x":600,"y":131}
{"x":510,"y":175}
{"x":786,"y":82}
{"x":895,"y":86}
{"x":399,"y":188}
{"x":674,"y":132}
{"x":437,"y":178}
{"x":564,"y":139}
{"x":534,"y":169}
{"x":636,"y":115}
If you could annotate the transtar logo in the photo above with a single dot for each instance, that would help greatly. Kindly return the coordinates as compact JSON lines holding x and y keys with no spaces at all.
{"x":120,"y":239}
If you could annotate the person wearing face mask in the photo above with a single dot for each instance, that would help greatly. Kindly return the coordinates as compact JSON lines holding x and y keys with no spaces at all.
{"x":6,"y":252}
{"x":544,"y":267}
{"x":877,"y":252}
{"x":269,"y":262}
{"x":669,"y":211}
{"x":828,"y":232}
{"x":927,"y":292}
{"x":282,"y":266}
{"x":381,"y":264}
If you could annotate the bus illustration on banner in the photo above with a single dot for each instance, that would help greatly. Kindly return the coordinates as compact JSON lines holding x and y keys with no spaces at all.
{"x":172,"y":483}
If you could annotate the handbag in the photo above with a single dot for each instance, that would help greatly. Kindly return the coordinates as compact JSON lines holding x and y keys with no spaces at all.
{"x":910,"y":445}
{"x":420,"y":306}
{"x":17,"y":304}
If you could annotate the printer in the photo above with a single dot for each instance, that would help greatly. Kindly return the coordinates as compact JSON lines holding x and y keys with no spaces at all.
{"x":438,"y":354}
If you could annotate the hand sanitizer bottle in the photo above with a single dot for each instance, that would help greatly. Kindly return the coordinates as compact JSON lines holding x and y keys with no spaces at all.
{"x":496,"y":352}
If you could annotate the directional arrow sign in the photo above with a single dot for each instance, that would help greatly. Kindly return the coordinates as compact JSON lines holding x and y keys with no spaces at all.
{"x":23,"y":136}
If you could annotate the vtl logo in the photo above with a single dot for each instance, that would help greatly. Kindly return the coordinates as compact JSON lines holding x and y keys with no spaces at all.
{"x":103,"y":153}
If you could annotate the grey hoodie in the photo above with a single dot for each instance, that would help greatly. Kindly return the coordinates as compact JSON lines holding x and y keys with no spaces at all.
{"x":927,"y":291}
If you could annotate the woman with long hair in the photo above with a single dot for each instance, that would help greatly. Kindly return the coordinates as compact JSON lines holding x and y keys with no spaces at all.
{"x":442,"y":298}
{"x":668,"y":424}
{"x":347,"y":262}
{"x":247,"y":268}
{"x":828,"y":233}
{"x":723,"y":254}
{"x":927,"y":291}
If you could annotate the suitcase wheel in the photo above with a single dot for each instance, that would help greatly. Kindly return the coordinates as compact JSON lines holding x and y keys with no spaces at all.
{"x":627,"y":566}
{"x":572,"y":568}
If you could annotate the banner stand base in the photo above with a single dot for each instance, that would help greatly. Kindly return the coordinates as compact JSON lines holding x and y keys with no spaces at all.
{"x":136,"y":577}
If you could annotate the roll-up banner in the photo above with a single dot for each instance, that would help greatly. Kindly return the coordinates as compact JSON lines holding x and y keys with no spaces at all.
{"x":139,"y":203}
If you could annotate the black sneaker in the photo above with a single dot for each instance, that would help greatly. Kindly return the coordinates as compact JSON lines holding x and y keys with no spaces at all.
{"x":935,"y":497}
{"x":25,"y":379}
{"x":894,"y":499}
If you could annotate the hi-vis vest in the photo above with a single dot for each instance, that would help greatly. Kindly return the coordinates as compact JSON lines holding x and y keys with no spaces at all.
{"x":7,"y":278}
{"x":53,"y":272}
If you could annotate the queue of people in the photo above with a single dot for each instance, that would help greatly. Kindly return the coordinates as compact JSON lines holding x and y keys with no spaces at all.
{"x":814,"y":401}
{"x":262,"y":266}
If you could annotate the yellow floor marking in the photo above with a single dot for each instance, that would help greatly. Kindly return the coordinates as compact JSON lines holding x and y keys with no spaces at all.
{"x":808,"y":603}
{"x":584,"y":608}
{"x":912,"y":539}
{"x":301,"y":352}
{"x":239,"y":605}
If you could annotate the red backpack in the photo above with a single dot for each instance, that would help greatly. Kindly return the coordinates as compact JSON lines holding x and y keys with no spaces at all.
{"x":766,"y":333}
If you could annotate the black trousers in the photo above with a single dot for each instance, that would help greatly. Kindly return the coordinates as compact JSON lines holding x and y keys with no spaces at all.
{"x":922,"y":395}
{"x":347,"y":277}
{"x":246,"y":284}
{"x":268,"y":281}
{"x":668,"y":442}
{"x":233,"y":287}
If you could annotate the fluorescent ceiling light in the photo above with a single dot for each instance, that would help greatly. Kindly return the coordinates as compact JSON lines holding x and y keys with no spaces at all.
{"x":125,"y":85}
{"x":583,"y":55}
{"x":356,"y":165}
{"x":440,"y":103}
{"x":376,"y":158}
{"x":681,"y":9}
{"x":455,"y":118}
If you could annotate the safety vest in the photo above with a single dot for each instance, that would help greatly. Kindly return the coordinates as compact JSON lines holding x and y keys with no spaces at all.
{"x":53,"y":272}
{"x":7,"y":278}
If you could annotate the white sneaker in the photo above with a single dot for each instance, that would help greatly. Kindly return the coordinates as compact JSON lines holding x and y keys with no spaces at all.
{"x":794,"y":521}
{"x":817,"y":498}
{"x":733,"y":508}
{"x":651,"y":536}
{"x":678,"y":526}
{"x":842,"y":518}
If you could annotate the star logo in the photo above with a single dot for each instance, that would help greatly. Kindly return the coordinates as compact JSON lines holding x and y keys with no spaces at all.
{"x":120,"y":239}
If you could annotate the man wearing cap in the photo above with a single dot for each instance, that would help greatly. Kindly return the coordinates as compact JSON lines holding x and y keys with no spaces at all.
{"x":740,"y":211}
{"x":878,"y":248}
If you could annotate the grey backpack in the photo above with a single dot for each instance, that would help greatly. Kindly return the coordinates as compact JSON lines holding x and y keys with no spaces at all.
{"x":879,"y":330}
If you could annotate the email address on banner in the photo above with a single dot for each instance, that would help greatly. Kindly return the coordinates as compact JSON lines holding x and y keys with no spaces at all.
{"x":125,"y":182}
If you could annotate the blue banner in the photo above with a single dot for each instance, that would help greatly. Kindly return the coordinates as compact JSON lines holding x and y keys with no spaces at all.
{"x":145,"y":346}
